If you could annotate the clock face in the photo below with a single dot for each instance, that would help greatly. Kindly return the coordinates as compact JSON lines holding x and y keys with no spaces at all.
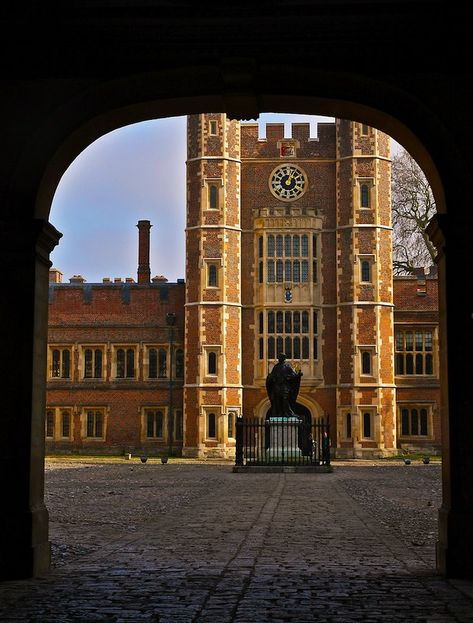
{"x":288,"y":182}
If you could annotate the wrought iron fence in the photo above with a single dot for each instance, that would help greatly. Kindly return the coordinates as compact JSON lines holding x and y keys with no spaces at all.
{"x":282,"y":441}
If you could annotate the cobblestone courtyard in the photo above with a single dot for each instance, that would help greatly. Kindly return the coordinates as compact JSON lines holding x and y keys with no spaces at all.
{"x":197,"y":543}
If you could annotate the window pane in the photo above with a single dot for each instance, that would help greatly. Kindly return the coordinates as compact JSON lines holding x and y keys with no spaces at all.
{"x":419,"y":364}
{"x":279,"y":271}
{"x":288,"y":270}
{"x":365,"y":196}
{"x":305,"y":348}
{"x":314,"y":271}
{"x":418,"y":340}
{"x":429,"y":364}
{"x":270,"y":322}
{"x":399,"y":340}
{"x":50,"y":424}
{"x":423,"y":422}
{"x":279,"y":345}
{"x":296,"y":246}
{"x":162,"y":363}
{"x":98,"y":424}
{"x":305,"y":322}
{"x":305,"y":271}
{"x":271,"y":350}
{"x":365,"y":271}
{"x":159,"y":424}
{"x":288,"y":347}
{"x":296,"y":271}
{"x":348,"y":425}
{"x":260,"y":246}
{"x":153,"y":363}
{"x":314,"y":246}
{"x":404,"y":422}
{"x":260,"y":322}
{"x":120,"y":363}
{"x":305,"y":246}
{"x":409,"y":340}
{"x":66,"y":364}
{"x":261,"y":348}
{"x":130,"y":363}
{"x":270,"y":246}
{"x":90,"y":424}
{"x":279,"y":246}
{"x":271,"y":276}
{"x":367,"y":425}
{"x":297,"y":348}
{"x":279,"y":322}
{"x":66,"y":424}
{"x":98,"y":364}
{"x":287,"y":246}
{"x":88,"y":363}
{"x":211,"y":425}
{"x":288,"y":322}
{"x":150,"y":424}
{"x":428,"y":340}
{"x":230,"y":425}
{"x":260,"y":272}
{"x":179,"y":364}
{"x":399,"y":363}
{"x":212,"y":363}
{"x":297,"y":322}
{"x":316,"y":348}
{"x":315,"y":321}
{"x":212,"y":276}
{"x":56,"y":363}
{"x":409,"y":364}
{"x":366,"y":362}
{"x":414,"y":422}
{"x":213,"y":197}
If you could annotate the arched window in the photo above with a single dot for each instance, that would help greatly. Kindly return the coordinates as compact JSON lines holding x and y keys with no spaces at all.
{"x":365,"y":196}
{"x":365,"y":271}
{"x":366,"y":362}
{"x":213,"y":196}
{"x":367,"y":425}
{"x":212,"y":363}
{"x":212,"y":281}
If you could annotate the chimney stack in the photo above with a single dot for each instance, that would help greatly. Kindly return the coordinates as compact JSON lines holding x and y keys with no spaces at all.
{"x":144,"y":271}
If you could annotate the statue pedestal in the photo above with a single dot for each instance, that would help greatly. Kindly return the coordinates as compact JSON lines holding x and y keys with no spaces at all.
{"x":283,"y":440}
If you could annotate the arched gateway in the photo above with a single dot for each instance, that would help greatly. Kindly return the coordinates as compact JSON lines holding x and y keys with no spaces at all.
{"x":75,"y":87}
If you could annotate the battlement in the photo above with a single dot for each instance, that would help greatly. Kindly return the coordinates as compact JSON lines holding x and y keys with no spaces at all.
{"x":271,"y":140}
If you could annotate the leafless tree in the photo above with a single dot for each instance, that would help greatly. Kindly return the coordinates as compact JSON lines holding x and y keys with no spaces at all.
{"x":413,"y":206}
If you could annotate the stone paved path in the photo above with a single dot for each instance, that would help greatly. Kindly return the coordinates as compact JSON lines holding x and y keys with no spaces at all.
{"x":250,"y":548}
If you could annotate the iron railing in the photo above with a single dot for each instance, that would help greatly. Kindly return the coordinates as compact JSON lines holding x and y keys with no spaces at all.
{"x":282,"y":441}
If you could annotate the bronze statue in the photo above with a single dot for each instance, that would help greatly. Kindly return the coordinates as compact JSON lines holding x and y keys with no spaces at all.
{"x":282,"y":385}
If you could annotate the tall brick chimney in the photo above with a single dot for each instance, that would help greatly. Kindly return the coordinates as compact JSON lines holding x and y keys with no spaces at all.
{"x":144,"y":271}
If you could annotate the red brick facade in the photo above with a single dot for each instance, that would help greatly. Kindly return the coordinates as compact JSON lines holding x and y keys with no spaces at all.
{"x":288,"y":247}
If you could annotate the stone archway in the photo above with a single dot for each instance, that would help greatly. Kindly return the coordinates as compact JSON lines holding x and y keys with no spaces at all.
{"x":63,"y":122}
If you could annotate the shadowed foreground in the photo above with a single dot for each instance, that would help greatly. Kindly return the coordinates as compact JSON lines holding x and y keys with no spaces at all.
{"x":196,"y":543}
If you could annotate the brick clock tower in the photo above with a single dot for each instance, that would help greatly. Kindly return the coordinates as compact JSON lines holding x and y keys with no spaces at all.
{"x":289,"y":250}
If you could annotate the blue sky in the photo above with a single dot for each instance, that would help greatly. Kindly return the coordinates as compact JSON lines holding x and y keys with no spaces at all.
{"x":133,"y":173}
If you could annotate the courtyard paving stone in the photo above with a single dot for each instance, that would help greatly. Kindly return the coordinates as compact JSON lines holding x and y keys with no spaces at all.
{"x":197,"y":543}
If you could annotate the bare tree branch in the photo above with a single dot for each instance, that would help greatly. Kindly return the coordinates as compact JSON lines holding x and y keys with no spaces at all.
{"x":413,"y":206}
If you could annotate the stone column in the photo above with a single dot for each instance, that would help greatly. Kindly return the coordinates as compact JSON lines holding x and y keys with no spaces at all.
{"x":24,"y":248}
{"x":452,"y":238}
